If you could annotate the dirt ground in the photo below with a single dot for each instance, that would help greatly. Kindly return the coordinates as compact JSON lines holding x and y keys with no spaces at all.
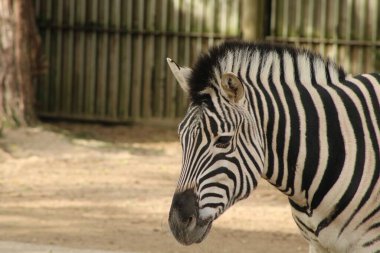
{"x":110,"y":188}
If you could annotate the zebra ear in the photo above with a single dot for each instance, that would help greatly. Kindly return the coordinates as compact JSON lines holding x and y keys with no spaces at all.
{"x":182,"y":74}
{"x":232,"y":87}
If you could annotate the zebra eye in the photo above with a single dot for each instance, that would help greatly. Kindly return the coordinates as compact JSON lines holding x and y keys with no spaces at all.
{"x":223,"y":141}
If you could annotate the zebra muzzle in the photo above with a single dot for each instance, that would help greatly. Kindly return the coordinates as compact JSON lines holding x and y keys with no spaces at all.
{"x":184,"y":220}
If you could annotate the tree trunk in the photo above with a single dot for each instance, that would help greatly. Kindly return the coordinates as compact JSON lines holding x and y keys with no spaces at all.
{"x":19,"y":61}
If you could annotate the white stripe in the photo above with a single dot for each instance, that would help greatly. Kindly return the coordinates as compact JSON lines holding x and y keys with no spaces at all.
{"x":319,"y":70}
{"x":299,"y":196}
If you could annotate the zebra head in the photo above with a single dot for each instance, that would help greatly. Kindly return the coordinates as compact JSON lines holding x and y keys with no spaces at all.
{"x":221,"y":146}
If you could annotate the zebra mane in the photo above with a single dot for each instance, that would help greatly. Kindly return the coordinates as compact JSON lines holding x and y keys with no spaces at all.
{"x":204,"y":69}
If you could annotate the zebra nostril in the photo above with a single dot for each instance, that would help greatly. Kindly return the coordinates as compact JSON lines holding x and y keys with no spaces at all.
{"x":189,"y":220}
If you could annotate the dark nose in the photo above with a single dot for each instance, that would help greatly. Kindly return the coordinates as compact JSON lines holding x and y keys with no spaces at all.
{"x":184,"y":208}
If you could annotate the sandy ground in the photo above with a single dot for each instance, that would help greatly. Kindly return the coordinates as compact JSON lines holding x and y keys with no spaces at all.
{"x":110,"y":188}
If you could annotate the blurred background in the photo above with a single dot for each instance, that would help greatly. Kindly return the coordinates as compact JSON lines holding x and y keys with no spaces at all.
{"x":89,"y":156}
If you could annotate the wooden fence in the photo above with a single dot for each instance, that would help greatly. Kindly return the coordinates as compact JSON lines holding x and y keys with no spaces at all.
{"x":107,"y":58}
{"x":348,"y":31}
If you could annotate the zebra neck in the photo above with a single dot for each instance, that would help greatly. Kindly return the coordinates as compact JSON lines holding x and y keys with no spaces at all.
{"x":278,"y":121}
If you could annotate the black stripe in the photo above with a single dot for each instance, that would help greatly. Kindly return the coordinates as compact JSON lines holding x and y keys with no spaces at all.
{"x":252,"y":176}
{"x":196,"y":166}
{"x":311,"y":131}
{"x":369,"y":216}
{"x":280,"y":139}
{"x":213,"y":125}
{"x":269,"y":128}
{"x":337,"y":153}
{"x":250,"y":139}
{"x":248,"y":190}
{"x":374,"y":226}
{"x":372,"y":92}
{"x":214,"y":205}
{"x":189,"y":117}
{"x":248,"y":154}
{"x":295,"y":206}
{"x":304,"y":225}
{"x":218,"y":171}
{"x":218,"y":185}
{"x":356,"y":123}
{"x":371,"y":242}
{"x":294,"y":138}
{"x":224,"y":124}
{"x":240,"y":170}
{"x":375,"y":147}
{"x":211,"y":194}
{"x":258,"y":99}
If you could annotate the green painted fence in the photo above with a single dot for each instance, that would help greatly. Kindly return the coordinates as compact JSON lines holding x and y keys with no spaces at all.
{"x":107,"y":58}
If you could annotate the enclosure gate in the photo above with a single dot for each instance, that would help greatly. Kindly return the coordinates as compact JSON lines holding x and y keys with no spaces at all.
{"x":107,"y":58}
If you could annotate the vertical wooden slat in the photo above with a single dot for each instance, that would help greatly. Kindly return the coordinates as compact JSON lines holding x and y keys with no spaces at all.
{"x":64,"y":61}
{"x":298,"y":18}
{"x":72,"y":55}
{"x":68,"y":47}
{"x":187,"y":10}
{"x":209,"y":20}
{"x":223,"y":17}
{"x":57,"y":60}
{"x":310,"y":21}
{"x":374,"y":51}
{"x":160,"y":66}
{"x":137,"y":61}
{"x":368,"y":36}
{"x":317,"y":28}
{"x":348,"y":35}
{"x":355,"y":34}
{"x":172,"y":53}
{"x":367,"y":56}
{"x":126,"y":61}
{"x":285,"y":19}
{"x":322,"y":35}
{"x":79,"y":59}
{"x":341,"y":34}
{"x":149,"y":59}
{"x":292,"y":17}
{"x":273,"y":18}
{"x":102,"y":81}
{"x":197,"y":11}
{"x":377,"y":35}
{"x":333,"y":27}
{"x":184,"y":49}
{"x":279,"y":17}
{"x":233,"y":21}
{"x":178,"y":96}
{"x":90,"y":65}
{"x":114,"y":53}
{"x":362,"y":6}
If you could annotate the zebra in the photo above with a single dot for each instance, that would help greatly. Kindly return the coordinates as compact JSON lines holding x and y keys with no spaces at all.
{"x":293,"y":118}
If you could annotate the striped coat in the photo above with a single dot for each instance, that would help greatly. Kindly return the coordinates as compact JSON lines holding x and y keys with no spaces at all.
{"x":293,"y":118}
